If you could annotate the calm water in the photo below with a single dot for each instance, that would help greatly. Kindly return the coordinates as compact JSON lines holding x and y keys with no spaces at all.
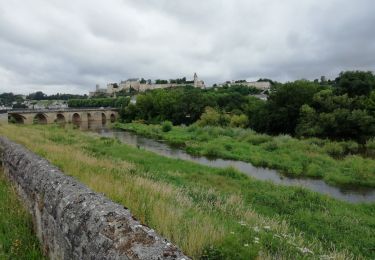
{"x":353,"y":196}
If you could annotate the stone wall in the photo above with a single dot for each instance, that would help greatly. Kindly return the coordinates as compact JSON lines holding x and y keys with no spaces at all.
{"x":72,"y":221}
{"x":3,"y":118}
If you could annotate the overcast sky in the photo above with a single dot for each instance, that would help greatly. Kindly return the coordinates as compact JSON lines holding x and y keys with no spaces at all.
{"x":68,"y":46}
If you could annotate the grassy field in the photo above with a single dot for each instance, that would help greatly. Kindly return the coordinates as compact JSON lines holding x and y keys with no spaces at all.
{"x":338,"y":163}
{"x":17,"y":239}
{"x":209,"y":213}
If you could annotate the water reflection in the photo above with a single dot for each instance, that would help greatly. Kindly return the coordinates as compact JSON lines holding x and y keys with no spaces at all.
{"x":90,"y":125}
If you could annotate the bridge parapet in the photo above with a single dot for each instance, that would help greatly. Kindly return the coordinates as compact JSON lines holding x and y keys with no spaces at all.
{"x":22,"y":110}
{"x":48,"y":116}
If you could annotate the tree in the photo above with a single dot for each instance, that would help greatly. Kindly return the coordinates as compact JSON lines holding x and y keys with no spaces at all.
{"x":143,"y":81}
{"x":307,"y":125}
{"x":39,"y":95}
{"x":285,"y":102}
{"x":355,"y":83}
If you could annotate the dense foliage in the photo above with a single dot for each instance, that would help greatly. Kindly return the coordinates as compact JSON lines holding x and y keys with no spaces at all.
{"x":185,"y":105}
{"x":100,"y":102}
{"x":7,"y":99}
{"x":39,"y":95}
{"x":342,"y":109}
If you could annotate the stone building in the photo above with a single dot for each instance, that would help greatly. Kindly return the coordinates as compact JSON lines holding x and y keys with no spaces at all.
{"x":136,"y":84}
{"x":98,"y":90}
{"x":262,"y":85}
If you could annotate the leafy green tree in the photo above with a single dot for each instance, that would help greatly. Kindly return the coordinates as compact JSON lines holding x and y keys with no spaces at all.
{"x":285,"y":102}
{"x":143,"y":81}
{"x":239,"y":121}
{"x":355,"y":83}
{"x":307,"y":125}
{"x":39,"y":95}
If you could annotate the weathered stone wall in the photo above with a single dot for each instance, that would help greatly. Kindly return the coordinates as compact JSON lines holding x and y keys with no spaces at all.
{"x":72,"y":221}
{"x":3,"y":118}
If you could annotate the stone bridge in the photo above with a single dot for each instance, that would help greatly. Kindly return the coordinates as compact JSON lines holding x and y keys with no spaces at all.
{"x":69,"y":115}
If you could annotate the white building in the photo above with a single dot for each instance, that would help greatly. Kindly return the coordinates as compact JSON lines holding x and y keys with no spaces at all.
{"x":262,"y":85}
{"x":135,"y":83}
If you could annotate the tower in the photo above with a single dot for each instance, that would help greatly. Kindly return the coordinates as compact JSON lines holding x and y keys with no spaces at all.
{"x":195,"y":80}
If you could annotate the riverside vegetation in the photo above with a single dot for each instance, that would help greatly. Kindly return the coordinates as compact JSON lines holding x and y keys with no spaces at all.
{"x":17,"y":240}
{"x":209,"y":213}
{"x":340,"y":163}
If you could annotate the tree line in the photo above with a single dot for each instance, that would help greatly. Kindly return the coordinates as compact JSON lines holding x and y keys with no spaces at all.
{"x":340,"y":109}
{"x":119,"y":102}
{"x":185,"y":104}
{"x":39,"y":95}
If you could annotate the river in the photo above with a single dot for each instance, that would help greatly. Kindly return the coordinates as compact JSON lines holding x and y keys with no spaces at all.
{"x":158,"y":147}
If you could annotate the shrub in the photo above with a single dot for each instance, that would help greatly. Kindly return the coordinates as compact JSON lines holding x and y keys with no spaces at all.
{"x":334,"y":149}
{"x":257,"y":139}
{"x":270,"y":146}
{"x":370,"y":147}
{"x":212,"y":117}
{"x":213,"y":150}
{"x":350,"y":147}
{"x":239,"y":121}
{"x":314,"y":170}
{"x":166,"y":126}
{"x":209,"y":117}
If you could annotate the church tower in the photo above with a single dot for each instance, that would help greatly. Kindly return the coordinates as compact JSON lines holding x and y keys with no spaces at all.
{"x":195,"y":80}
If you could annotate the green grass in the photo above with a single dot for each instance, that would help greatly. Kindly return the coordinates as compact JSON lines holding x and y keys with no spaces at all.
{"x":17,"y":239}
{"x":338,"y":163}
{"x":210,"y":213}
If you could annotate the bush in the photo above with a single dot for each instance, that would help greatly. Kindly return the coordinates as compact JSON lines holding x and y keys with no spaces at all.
{"x":212,"y":117}
{"x":239,"y":121}
{"x":350,"y":147}
{"x":334,"y":149}
{"x":370,"y":147}
{"x":166,"y":126}
{"x":257,"y":139}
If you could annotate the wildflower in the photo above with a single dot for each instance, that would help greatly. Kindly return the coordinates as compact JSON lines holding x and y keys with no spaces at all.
{"x":232,"y":232}
{"x":256,"y":229}
{"x":246,"y":245}
{"x":256,"y":240}
{"x":305,"y":250}
{"x":267,"y":227}
{"x":242,"y":223}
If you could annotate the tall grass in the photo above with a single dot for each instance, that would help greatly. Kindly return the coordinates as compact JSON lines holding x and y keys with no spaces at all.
{"x":17,"y":240}
{"x":338,"y":163}
{"x":209,"y":213}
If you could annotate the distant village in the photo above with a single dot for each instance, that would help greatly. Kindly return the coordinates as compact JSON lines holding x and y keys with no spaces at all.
{"x":134,"y":85}
{"x":140,"y":85}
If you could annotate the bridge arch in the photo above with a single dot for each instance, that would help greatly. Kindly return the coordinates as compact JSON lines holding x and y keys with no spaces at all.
{"x":113,"y":117}
{"x":76,"y":118}
{"x":40,"y":118}
{"x":104,"y":118}
{"x":60,"y":118}
{"x":89,"y":117}
{"x":16,"y":118}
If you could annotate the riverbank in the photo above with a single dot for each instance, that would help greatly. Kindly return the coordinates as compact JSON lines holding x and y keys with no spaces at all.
{"x":207,"y":211}
{"x":17,"y":238}
{"x":336,"y":163}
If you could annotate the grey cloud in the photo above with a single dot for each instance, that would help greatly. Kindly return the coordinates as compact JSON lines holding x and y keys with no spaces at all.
{"x":69,"y":46}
